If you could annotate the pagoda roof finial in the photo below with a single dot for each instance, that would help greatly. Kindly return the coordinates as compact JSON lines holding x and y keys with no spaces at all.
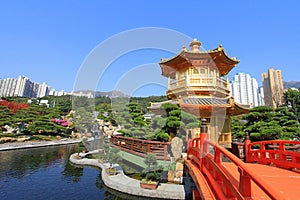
{"x":195,"y":45}
{"x":220,"y":47}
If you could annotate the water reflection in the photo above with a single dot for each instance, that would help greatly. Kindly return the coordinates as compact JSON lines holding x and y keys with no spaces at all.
{"x":46,"y":173}
{"x":20,"y":163}
{"x":72,"y":173}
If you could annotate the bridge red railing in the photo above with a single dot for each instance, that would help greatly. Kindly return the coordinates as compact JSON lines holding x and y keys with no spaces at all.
{"x":210,"y":159}
{"x":141,"y":147}
{"x":280,"y":153}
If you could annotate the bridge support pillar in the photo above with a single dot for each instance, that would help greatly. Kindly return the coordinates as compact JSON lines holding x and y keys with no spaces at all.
{"x":247,"y":142}
{"x":203,"y":138}
{"x":245,"y":183}
{"x":203,"y":131}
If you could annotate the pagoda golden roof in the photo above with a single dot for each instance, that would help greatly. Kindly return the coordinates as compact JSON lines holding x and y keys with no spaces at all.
{"x":203,"y":107}
{"x":217,"y":57}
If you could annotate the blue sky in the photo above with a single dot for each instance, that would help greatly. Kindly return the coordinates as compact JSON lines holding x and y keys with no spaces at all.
{"x":48,"y":41}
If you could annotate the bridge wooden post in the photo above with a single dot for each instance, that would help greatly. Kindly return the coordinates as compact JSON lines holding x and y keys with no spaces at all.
{"x":148,"y":147}
{"x":165,"y":151}
{"x":203,"y":138}
{"x":203,"y":132}
{"x":247,"y":143}
{"x":245,"y":183}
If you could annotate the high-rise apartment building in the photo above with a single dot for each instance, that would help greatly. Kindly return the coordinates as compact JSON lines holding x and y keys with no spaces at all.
{"x":43,"y":90}
{"x":244,"y":89}
{"x":273,"y":88}
{"x":261,"y":96}
{"x":22,"y":87}
{"x":53,"y":92}
{"x":7,"y":87}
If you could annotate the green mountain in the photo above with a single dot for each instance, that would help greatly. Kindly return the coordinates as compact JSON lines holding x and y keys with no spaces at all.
{"x":291,"y":84}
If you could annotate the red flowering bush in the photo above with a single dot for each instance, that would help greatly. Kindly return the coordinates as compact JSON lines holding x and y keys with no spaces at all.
{"x":13,"y":106}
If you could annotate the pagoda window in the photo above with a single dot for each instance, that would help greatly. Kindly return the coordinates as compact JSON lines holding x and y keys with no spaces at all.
{"x":196,"y":70}
{"x":211,"y":72}
{"x":181,"y":75}
{"x":204,"y":71}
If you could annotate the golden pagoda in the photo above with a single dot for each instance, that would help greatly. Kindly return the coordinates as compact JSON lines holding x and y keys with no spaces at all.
{"x":197,"y":82}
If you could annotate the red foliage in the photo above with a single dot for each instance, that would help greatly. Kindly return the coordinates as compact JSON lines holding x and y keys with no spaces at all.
{"x":13,"y":106}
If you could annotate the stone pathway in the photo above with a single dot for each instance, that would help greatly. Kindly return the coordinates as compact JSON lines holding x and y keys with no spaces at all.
{"x":125,"y":184}
{"x":25,"y":145}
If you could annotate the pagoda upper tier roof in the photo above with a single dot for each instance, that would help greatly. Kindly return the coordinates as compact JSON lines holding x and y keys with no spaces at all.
{"x":217,"y":57}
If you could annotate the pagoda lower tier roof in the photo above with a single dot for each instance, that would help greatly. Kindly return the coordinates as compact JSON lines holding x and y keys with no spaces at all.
{"x":195,"y":105}
{"x":205,"y":101}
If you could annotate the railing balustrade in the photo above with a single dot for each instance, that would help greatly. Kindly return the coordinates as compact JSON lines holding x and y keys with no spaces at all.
{"x":210,"y":158}
{"x":198,"y":81}
{"x":281,"y":153}
{"x":141,"y":147}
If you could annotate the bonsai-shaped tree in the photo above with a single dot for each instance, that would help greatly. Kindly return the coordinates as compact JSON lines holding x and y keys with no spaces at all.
{"x":152,"y":172}
{"x":81,"y":146}
{"x":113,"y":156}
{"x":109,"y":154}
{"x":150,"y":161}
{"x":265,"y":123}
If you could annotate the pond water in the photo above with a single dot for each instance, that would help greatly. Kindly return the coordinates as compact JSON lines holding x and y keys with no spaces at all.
{"x":45,"y":173}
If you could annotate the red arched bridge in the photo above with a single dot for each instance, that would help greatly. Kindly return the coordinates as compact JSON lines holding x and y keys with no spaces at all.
{"x":270,"y":171}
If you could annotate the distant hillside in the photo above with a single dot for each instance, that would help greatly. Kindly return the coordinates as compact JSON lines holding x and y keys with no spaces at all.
{"x":291,"y":84}
{"x":111,"y":94}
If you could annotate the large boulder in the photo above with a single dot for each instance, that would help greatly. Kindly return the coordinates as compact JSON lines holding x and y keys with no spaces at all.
{"x":7,"y":139}
{"x":76,"y":135}
{"x":9,"y":129}
{"x":176,"y":147}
